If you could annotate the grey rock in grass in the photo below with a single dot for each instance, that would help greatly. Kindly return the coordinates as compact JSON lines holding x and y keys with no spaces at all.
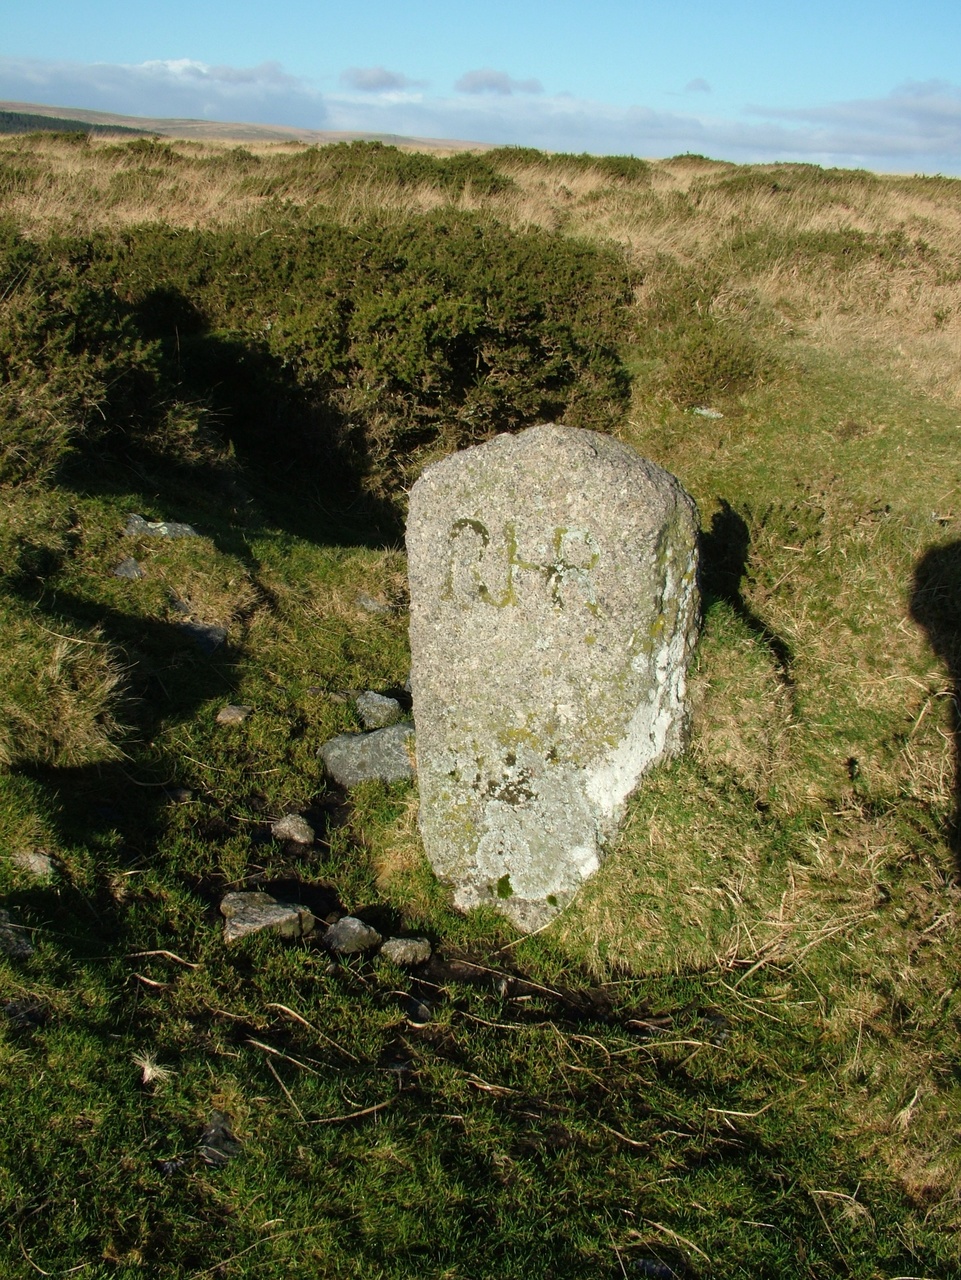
{"x":406,"y":951}
{"x":376,"y":711}
{"x":554,"y":607}
{"x":36,"y":864}
{"x":206,"y":636}
{"x":129,"y":568}
{"x":233,"y":713}
{"x":370,"y":605}
{"x":14,"y":939}
{"x":351,"y":758}
{"x":350,"y":935}
{"x":138,"y":527}
{"x":250,"y":912}
{"x":293,"y":827}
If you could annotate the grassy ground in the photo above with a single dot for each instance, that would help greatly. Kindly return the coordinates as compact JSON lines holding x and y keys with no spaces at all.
{"x":737,"y":1053}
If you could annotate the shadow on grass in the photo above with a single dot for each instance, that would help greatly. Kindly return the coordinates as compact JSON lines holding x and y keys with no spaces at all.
{"x":936,"y":605}
{"x":725,"y":551}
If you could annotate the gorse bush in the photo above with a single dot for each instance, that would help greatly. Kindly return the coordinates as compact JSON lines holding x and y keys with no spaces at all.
{"x":700,"y":346}
{"x":372,"y":164}
{"x":382,"y":339}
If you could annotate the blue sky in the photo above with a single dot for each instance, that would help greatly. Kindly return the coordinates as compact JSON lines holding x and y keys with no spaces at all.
{"x":865,"y":84}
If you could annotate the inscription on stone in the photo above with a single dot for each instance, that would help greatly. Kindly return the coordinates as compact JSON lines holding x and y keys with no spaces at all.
{"x":553,"y":611}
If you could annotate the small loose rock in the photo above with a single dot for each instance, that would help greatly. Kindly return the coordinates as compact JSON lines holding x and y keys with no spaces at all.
{"x":293,"y":827}
{"x":39,"y":865}
{"x":14,"y":941}
{"x":251,"y":912}
{"x":377,"y":711}
{"x":129,"y":568}
{"x":350,"y":935}
{"x":207,"y":638}
{"x":351,"y":758}
{"x":233,"y":713}
{"x":370,"y":605}
{"x":138,"y":527}
{"x":406,"y":951}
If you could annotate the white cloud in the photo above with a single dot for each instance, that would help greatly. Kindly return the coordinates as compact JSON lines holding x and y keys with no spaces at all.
{"x":917,"y":127}
{"x":377,"y":80}
{"x":697,"y":85}
{"x":169,"y":87}
{"x":487,"y":80}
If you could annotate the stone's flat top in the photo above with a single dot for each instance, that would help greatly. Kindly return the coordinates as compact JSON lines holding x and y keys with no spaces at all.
{"x":384,"y":754}
{"x":350,"y":935}
{"x":293,"y":827}
{"x":138,"y":527}
{"x":553,"y":610}
{"x":250,"y":912}
{"x":406,"y":951}
{"x":376,"y":710}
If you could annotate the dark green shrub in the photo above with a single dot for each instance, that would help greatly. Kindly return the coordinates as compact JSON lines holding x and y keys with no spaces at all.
{"x":624,"y":168}
{"x":380,"y":340}
{"x":699,"y":351}
{"x":347,"y":165}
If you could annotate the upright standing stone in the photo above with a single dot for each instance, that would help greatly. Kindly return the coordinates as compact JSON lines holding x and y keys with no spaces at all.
{"x":554,"y":607}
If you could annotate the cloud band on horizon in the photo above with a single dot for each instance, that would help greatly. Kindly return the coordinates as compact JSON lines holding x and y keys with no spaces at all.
{"x":916,"y":127}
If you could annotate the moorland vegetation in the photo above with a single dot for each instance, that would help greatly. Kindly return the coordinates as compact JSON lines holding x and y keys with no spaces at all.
{"x":737,"y":1053}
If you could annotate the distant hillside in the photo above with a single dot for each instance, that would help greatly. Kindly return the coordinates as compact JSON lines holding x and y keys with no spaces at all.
{"x":73,"y":118}
{"x":31,"y":122}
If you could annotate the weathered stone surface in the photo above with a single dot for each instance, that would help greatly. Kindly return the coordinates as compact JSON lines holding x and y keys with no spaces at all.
{"x":233,"y":713}
{"x":138,"y":527}
{"x":14,"y":938}
{"x":129,"y":568}
{"x":377,"y":711}
{"x":349,"y":935}
{"x":250,"y":912}
{"x":35,"y":863}
{"x":361,"y":757}
{"x":554,"y":607}
{"x":406,"y":951}
{"x":293,"y":827}
{"x":208,"y":637}
{"x":370,"y":605}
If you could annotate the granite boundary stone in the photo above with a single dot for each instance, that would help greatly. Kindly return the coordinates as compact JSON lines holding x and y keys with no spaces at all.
{"x":554,"y":608}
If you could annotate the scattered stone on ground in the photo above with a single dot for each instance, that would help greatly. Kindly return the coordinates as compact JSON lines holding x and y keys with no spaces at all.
{"x":703,"y":412}
{"x":554,"y":609}
{"x":179,"y":795}
{"x":350,"y":935}
{"x":129,"y":568}
{"x":178,"y":605}
{"x":293,"y":827}
{"x":370,"y":605}
{"x":376,"y":711}
{"x":363,"y":757}
{"x":14,"y":939}
{"x":138,"y":527}
{"x":207,"y":637}
{"x":406,"y":951}
{"x":249,"y":912}
{"x":217,"y":1142}
{"x":25,"y":1014}
{"x":36,"y":863}
{"x":233,"y":713}
{"x":418,"y":1013}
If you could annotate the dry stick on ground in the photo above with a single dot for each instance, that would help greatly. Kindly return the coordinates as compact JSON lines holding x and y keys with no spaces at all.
{"x":354,"y":1115}
{"x":310,"y":1027}
{"x":169,"y":955}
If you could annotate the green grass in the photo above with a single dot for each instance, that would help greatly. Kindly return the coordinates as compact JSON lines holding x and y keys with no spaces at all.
{"x":736,"y":1054}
